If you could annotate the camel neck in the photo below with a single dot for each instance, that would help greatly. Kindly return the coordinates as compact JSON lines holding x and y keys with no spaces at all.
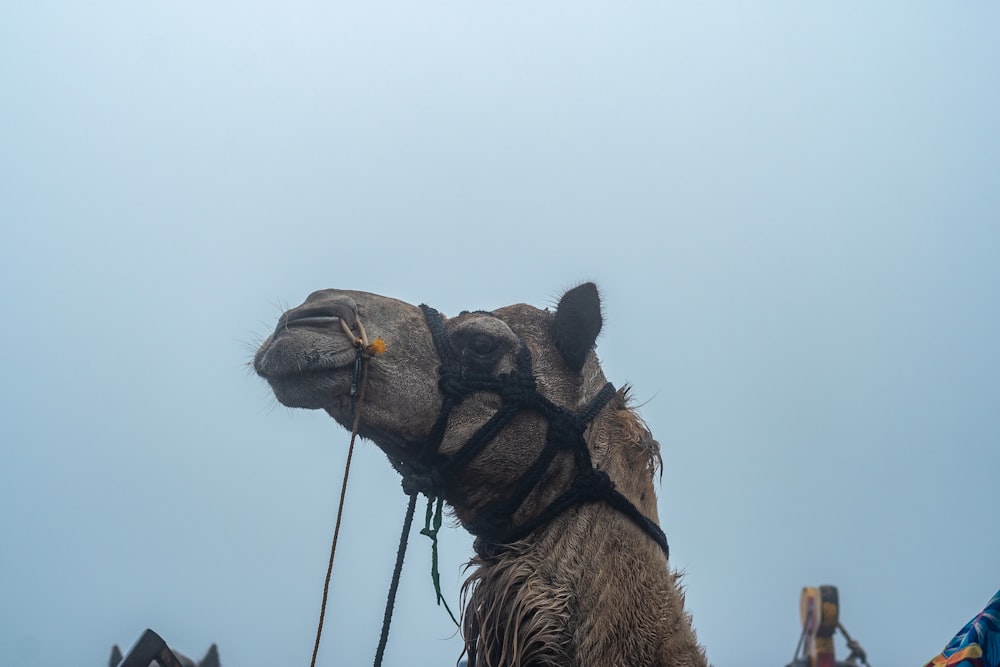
{"x":575,"y":588}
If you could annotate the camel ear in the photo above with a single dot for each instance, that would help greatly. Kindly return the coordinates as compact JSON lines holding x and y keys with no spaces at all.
{"x":116,"y":656}
{"x":211,"y":658}
{"x":578,"y":321}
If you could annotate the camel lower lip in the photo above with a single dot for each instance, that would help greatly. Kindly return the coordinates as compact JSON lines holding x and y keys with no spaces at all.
{"x":312,"y":390}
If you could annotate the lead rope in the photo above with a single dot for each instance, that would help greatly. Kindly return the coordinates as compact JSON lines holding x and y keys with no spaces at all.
{"x":365,"y":351}
{"x":390,"y":602}
{"x":431,"y":527}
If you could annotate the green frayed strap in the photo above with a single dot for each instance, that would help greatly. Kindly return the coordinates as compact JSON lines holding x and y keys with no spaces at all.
{"x":434,"y":511}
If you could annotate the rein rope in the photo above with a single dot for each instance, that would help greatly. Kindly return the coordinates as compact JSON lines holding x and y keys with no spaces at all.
{"x":365,"y":350}
{"x":397,"y":571}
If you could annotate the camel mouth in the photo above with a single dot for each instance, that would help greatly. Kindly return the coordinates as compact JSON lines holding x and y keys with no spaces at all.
{"x":302,"y":352}
{"x":308,"y":357}
{"x":317,"y":387}
{"x":307,"y":363}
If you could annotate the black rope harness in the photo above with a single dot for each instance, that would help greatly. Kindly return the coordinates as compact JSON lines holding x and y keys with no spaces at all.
{"x":518,"y":392}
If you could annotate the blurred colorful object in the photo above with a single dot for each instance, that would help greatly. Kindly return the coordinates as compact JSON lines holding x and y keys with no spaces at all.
{"x":977,"y":644}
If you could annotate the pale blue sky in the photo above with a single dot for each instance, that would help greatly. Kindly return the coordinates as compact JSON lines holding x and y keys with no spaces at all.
{"x":792,"y":208}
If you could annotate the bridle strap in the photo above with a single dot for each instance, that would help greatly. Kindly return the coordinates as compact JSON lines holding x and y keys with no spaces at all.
{"x":518,"y":392}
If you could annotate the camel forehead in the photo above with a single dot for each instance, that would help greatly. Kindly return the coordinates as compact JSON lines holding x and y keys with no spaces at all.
{"x":523,"y":318}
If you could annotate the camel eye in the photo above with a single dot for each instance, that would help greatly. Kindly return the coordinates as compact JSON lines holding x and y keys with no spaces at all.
{"x":479,"y":351}
{"x":482,"y":345}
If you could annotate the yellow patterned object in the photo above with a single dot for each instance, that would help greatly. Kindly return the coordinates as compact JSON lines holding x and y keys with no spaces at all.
{"x":973,"y":654}
{"x":830,"y":606}
{"x":819,"y":610}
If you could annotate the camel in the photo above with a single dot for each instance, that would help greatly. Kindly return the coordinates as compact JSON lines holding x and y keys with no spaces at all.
{"x":508,"y":417}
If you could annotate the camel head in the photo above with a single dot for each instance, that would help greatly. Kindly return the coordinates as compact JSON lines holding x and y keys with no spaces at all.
{"x":507,"y":416}
{"x":310,"y":361}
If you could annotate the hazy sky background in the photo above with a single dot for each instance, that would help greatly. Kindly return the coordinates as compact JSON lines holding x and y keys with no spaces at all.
{"x":792,"y":208}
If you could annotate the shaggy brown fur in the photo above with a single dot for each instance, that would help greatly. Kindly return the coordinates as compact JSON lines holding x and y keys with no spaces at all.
{"x":524,"y":607}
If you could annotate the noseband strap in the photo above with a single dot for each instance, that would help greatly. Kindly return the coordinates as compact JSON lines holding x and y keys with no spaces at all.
{"x":518,"y":392}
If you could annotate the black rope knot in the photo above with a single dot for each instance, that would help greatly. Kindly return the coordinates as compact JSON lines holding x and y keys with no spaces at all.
{"x":452,"y":384}
{"x":427,"y":482}
{"x":592,"y":485}
{"x":518,"y":383}
{"x":566,"y":429}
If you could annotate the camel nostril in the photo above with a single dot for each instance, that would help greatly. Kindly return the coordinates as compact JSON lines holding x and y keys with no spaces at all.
{"x":323,"y":314}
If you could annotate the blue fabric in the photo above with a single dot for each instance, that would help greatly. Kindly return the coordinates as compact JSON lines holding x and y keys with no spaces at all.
{"x":977,"y":644}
